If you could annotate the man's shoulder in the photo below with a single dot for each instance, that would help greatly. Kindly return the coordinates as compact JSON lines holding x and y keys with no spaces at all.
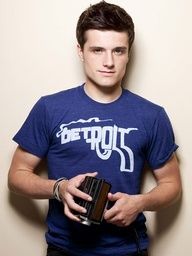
{"x":64,"y":95}
{"x":58,"y":101}
{"x":141,"y":103}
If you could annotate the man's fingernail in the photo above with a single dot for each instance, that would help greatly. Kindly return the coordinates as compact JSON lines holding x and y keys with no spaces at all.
{"x":84,"y":210}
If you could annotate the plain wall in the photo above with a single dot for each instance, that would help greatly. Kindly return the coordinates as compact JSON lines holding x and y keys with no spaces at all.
{"x":38,"y":56}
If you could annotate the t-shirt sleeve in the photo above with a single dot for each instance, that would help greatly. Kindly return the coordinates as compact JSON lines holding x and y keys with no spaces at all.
{"x":161,"y":141}
{"x":33,"y":136}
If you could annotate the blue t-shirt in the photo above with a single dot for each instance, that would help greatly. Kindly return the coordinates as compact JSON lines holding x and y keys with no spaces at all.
{"x":77,"y":135}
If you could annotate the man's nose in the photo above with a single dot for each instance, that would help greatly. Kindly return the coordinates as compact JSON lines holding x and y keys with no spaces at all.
{"x":108,"y":60}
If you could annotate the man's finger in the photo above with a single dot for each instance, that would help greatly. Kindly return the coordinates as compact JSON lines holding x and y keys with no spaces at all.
{"x":114,"y":197}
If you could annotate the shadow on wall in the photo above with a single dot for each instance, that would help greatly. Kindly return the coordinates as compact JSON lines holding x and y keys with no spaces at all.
{"x":164,"y":221}
{"x":27,"y":209}
{"x":165,"y":218}
{"x":129,"y":69}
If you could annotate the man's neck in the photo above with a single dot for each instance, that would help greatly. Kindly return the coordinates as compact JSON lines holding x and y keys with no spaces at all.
{"x":103,"y":94}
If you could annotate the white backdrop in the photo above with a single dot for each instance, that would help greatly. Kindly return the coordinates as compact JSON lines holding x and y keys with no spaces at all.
{"x":38,"y":56}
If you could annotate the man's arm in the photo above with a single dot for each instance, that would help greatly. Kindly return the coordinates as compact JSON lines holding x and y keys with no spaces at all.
{"x":22,"y":178}
{"x":168,"y":189}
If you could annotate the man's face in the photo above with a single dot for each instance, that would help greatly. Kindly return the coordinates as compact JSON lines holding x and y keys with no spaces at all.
{"x":105,"y":57}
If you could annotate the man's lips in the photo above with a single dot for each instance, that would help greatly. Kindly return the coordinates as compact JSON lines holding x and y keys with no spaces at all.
{"x":106,"y":72}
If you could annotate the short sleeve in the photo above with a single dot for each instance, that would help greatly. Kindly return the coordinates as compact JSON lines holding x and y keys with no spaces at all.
{"x":33,"y":136}
{"x":161,"y":141}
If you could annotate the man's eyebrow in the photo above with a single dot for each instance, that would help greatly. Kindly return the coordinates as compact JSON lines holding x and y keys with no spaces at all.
{"x":96,"y":47}
{"x":120,"y":48}
{"x":115,"y":48}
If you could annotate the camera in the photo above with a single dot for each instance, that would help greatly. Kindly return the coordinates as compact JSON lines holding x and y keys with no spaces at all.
{"x":98,"y":189}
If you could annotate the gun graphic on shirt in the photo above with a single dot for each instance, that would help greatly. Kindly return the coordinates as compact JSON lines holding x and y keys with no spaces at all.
{"x":122,"y":149}
{"x":103,"y":140}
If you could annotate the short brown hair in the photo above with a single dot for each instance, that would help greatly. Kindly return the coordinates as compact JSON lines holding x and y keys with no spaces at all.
{"x":104,"y":16}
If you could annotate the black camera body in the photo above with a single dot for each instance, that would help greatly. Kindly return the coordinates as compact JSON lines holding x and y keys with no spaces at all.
{"x":98,"y":189}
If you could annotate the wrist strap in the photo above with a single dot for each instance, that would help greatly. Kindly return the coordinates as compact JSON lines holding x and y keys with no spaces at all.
{"x":56,"y":194}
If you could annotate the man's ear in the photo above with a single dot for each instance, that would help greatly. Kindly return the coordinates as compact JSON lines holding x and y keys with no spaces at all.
{"x":80,"y":52}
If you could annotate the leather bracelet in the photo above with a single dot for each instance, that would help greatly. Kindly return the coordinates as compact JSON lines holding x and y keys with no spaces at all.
{"x":56,"y":194}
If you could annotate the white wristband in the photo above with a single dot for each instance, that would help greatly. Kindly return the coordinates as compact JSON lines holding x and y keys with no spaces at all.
{"x":56,"y":194}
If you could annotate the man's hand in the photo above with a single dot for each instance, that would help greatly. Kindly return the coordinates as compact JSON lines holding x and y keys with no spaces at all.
{"x":166,"y":192}
{"x":68,"y":190}
{"x":125,"y":209}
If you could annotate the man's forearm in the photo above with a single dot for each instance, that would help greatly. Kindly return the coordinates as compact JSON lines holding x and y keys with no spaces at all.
{"x":168,"y":187}
{"x":159,"y":197}
{"x":31,"y":185}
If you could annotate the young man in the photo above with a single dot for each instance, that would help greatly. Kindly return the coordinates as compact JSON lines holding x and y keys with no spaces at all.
{"x":97,"y":129}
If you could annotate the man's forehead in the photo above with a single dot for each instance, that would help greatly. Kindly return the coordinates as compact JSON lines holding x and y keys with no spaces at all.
{"x":106,"y":38}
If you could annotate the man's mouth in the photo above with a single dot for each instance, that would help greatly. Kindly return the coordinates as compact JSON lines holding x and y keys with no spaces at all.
{"x":106,"y":72}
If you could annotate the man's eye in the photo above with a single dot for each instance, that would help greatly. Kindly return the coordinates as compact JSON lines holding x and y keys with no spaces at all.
{"x":119,"y":51}
{"x":97,"y":51}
